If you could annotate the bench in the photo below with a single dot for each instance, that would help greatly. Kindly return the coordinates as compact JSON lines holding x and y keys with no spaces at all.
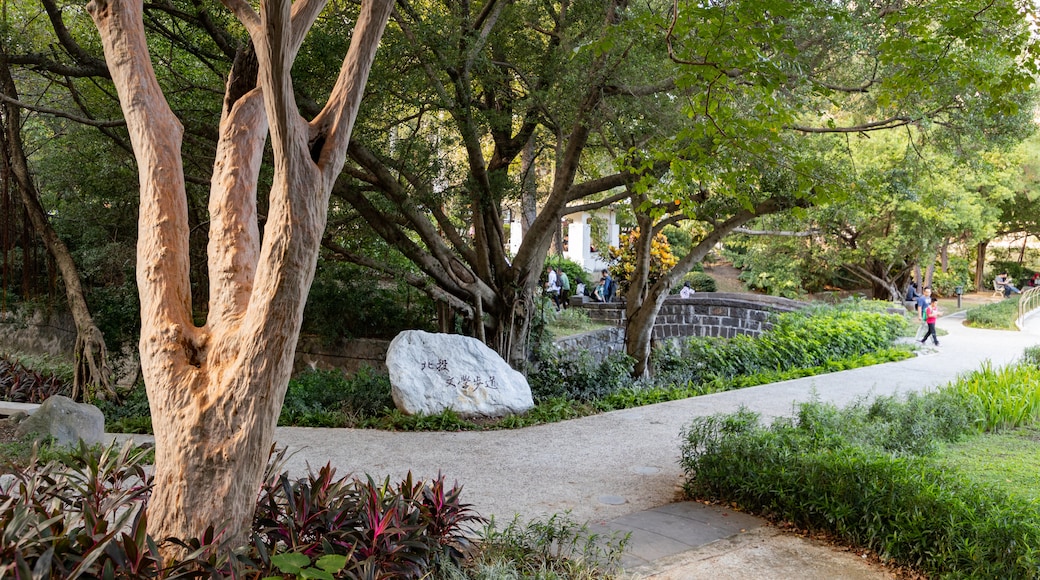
{"x":998,"y":289}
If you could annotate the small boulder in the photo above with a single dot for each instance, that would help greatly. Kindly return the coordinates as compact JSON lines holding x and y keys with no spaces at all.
{"x":66,"y":421}
{"x":431,"y":373}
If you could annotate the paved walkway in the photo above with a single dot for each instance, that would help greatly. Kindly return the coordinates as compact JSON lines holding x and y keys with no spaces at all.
{"x":620,"y":471}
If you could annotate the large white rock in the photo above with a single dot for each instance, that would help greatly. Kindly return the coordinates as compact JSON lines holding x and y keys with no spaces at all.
{"x":430,"y":373}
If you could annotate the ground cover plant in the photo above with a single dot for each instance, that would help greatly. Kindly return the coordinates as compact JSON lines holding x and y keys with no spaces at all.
{"x":24,"y":385}
{"x":885,"y":474}
{"x":85,"y":516}
{"x":998,"y":316}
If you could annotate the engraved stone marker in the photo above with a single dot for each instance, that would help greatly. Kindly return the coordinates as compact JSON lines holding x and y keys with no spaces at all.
{"x":430,"y":373}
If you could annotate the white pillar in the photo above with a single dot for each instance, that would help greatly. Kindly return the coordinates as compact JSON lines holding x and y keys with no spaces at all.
{"x":577,"y":238}
{"x":516,"y":233}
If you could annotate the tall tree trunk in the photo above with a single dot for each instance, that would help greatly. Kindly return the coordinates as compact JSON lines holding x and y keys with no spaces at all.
{"x":216,"y":391}
{"x":528,"y":185}
{"x":980,"y":265}
{"x":92,"y":377}
{"x":643,"y":302}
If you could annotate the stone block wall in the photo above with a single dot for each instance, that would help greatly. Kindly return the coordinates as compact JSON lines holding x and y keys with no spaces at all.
{"x":37,"y":332}
{"x":598,"y":343}
{"x":347,"y":355}
{"x":704,"y":314}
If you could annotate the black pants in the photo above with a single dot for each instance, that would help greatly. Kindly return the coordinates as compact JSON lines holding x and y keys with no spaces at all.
{"x":931,"y":332}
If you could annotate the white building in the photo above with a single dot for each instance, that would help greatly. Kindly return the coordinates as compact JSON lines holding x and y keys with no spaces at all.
{"x":578,"y":245}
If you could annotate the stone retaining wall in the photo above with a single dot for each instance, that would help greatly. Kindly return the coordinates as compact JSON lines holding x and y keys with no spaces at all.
{"x":598,"y":343}
{"x":704,"y":314}
{"x":347,"y":355}
{"x":37,"y":332}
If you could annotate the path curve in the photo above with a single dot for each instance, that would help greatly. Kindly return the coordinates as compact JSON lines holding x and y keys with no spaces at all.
{"x":608,"y":465}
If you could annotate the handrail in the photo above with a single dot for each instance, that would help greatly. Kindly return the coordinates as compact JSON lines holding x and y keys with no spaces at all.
{"x":1027,"y":303}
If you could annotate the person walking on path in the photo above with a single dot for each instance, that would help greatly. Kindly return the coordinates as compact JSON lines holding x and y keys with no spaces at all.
{"x":931,"y":313}
{"x":565,"y":287}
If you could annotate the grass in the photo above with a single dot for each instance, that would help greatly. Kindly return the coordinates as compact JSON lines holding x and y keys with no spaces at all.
{"x":1009,"y":461}
{"x":946,"y":481}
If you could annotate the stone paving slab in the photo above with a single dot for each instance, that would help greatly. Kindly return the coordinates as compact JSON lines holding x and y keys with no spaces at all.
{"x":675,"y":528}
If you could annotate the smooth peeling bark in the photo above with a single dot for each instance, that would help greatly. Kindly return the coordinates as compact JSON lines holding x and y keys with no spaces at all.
{"x":216,"y":391}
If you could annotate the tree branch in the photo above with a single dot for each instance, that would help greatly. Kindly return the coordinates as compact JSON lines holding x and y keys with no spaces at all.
{"x":62,"y":114}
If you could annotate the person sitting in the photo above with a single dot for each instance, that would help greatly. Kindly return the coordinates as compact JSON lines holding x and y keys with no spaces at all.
{"x":1035,"y":280}
{"x":686,"y":291}
{"x":1004,"y":281}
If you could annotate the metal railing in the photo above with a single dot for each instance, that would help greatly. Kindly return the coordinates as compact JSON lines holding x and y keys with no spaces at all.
{"x":1027,"y":303}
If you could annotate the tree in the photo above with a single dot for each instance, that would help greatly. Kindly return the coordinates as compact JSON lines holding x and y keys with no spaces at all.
{"x":91,"y":376}
{"x":540,"y":78}
{"x":215,"y":390}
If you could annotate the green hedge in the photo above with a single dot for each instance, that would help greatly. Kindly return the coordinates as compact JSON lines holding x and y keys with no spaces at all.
{"x":869,"y":474}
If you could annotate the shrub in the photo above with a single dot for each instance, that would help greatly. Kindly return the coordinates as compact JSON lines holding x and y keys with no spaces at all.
{"x":379,"y":530}
{"x":577,"y":377}
{"x":999,"y":315}
{"x":87,"y":518}
{"x":833,"y":470}
{"x":960,"y":273}
{"x":576,"y":274}
{"x":327,"y":398}
{"x":623,"y":259}
{"x":1001,"y":398}
{"x":554,"y":547}
{"x":345,"y":301}
{"x":130,"y":415}
{"x":1017,"y":272}
{"x":22,"y":385}
{"x":699,"y":281}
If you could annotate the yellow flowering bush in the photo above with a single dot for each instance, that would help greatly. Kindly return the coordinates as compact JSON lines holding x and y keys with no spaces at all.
{"x":623,"y":259}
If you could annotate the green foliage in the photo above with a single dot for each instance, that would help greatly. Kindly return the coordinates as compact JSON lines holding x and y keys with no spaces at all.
{"x":777,"y":268}
{"x":1009,"y":460}
{"x":863,"y":474}
{"x":999,"y":315}
{"x":129,"y":415}
{"x":1001,"y":398}
{"x":1018,"y":273}
{"x":346,"y":301}
{"x":1031,"y":355}
{"x":796,"y":340}
{"x":327,"y":398}
{"x":577,"y":377}
{"x":97,"y":527}
{"x":365,"y":529}
{"x":960,"y":273}
{"x":87,"y":516}
{"x":554,"y":547}
{"x":576,"y":274}
{"x":699,"y":281}
{"x":22,"y":385}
